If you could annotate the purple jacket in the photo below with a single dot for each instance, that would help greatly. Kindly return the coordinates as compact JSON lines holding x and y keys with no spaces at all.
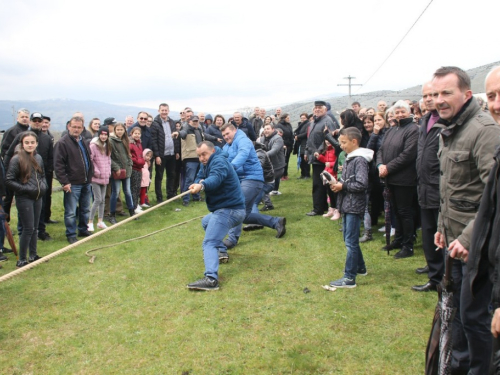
{"x":102,"y":164}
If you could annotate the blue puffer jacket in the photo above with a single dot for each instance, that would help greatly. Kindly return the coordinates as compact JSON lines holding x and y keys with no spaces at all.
{"x":222,"y":186}
{"x":243,"y":157}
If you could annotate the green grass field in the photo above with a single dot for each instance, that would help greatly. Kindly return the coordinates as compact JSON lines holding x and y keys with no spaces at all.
{"x":130,"y":311}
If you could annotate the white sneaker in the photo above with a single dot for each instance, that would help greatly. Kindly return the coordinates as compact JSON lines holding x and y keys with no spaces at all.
{"x":393,"y":232}
{"x":145,"y":205}
{"x":90,"y":227}
{"x":138,"y":210}
{"x":381,"y":229}
{"x":101,"y":225}
{"x":275,"y":192}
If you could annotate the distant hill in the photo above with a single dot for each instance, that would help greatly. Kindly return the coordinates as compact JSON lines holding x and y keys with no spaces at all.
{"x":60,"y":110}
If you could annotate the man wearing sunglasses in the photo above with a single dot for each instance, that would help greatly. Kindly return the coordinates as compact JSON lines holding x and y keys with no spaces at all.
{"x":142,"y":122}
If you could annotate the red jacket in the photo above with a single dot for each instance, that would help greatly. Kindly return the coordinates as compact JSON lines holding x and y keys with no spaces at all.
{"x":329,"y":157}
{"x":137,"y":158}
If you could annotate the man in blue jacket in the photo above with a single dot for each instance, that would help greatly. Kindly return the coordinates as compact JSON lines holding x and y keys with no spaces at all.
{"x":245,"y":162}
{"x":226,"y":205}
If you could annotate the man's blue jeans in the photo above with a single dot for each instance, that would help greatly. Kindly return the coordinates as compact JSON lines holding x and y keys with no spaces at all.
{"x":354,"y":260}
{"x":79,"y":196}
{"x":216,"y":225}
{"x":115,"y":191}
{"x":190,"y":170}
{"x":251,"y":189}
{"x":266,"y":189}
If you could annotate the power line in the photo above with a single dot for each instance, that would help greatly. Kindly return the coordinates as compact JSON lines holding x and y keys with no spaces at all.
{"x":390,"y":54}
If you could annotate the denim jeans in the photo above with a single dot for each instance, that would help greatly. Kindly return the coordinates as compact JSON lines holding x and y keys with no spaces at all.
{"x":250,"y":189}
{"x":190,"y":170}
{"x":79,"y":196}
{"x":115,"y":191}
{"x":354,"y":260}
{"x":216,"y":225}
{"x":266,"y":189}
{"x":29,"y":213}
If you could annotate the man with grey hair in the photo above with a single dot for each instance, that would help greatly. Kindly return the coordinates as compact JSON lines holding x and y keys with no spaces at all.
{"x":22,"y":124}
{"x":129,"y":121}
{"x":244,"y":125}
{"x":466,"y":156}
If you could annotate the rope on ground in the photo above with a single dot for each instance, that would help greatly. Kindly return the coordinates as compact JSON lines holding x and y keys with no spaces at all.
{"x":86,"y":239}
{"x":92,"y":257}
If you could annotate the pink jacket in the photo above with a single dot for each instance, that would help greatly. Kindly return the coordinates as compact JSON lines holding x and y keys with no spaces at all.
{"x":146,"y":179}
{"x":102,"y":164}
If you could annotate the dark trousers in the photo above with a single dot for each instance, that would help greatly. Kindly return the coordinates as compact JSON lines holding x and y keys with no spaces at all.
{"x":401,"y":203}
{"x":29,"y":215}
{"x":48,"y":198}
{"x":288,"y":152}
{"x":472,"y":345}
{"x":376,"y":201}
{"x":168,"y":163}
{"x":319,"y":190}
{"x":434,"y":258}
{"x":305,"y":168}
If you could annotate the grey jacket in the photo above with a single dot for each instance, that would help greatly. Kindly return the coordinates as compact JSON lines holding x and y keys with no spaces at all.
{"x":352,"y":199}
{"x":275,"y":150}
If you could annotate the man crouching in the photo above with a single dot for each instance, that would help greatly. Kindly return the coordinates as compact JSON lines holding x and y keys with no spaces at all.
{"x":226,"y":203}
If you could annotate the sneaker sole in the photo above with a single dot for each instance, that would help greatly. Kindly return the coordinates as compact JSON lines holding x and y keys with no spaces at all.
{"x":362,"y":274}
{"x":202,"y":288}
{"x":343,"y":286}
{"x":223,"y":260}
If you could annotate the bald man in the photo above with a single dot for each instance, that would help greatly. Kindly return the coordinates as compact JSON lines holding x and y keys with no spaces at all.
{"x":493,"y":92}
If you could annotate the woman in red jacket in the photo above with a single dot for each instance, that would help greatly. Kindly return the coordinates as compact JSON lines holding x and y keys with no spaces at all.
{"x":137,"y":164}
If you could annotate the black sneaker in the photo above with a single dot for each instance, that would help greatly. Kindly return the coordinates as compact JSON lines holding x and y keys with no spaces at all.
{"x":35,"y":258}
{"x":44,"y":237}
{"x":5,"y":250}
{"x":72,"y":240}
{"x":84,"y":233}
{"x":228,"y":244}
{"x":223,"y":257}
{"x":405,"y":252}
{"x":3,"y":258}
{"x":21,"y":263}
{"x":207,"y":283}
{"x":185,"y":204}
{"x":281,"y":227}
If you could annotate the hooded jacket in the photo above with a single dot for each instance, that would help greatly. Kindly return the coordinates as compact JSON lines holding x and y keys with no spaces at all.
{"x":101,"y":162}
{"x":120,"y":158}
{"x":352,"y":199}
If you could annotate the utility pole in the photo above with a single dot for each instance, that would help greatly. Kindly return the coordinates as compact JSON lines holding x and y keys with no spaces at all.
{"x":349,"y":84}
{"x":14,"y":115}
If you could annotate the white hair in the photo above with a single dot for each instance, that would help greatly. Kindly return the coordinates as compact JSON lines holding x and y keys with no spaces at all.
{"x":402,"y":104}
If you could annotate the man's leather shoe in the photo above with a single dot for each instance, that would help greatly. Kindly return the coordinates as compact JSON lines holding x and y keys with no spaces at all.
{"x":84,"y":233}
{"x":422,"y":270}
{"x":427,"y":287}
{"x":50,"y":221}
{"x":313,"y":213}
{"x":72,"y":240}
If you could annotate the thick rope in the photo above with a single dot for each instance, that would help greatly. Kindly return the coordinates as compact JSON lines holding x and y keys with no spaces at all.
{"x":86,"y":239}
{"x":92,"y":257}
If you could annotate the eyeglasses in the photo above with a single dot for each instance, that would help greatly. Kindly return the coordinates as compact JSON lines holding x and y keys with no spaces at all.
{"x":37,"y":120}
{"x":143,"y":118}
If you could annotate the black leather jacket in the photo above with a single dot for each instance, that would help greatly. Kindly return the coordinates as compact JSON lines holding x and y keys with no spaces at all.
{"x":35,"y":188}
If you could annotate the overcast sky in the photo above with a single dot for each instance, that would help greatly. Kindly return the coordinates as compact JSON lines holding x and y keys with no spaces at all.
{"x":219,"y":56}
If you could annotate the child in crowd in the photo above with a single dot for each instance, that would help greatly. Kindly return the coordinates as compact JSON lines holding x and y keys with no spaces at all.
{"x":146,"y":178}
{"x":329,"y":158}
{"x":137,"y":165}
{"x":100,"y":154}
{"x":26,"y":178}
{"x":352,"y":188}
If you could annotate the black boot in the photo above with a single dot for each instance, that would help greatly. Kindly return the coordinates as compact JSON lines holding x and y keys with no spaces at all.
{"x":112,"y":218}
{"x":132,"y":213}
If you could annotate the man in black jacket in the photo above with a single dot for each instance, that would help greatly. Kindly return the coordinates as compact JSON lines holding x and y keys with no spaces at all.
{"x":428,"y":191}
{"x":74,"y":170}
{"x":142,"y":123}
{"x":166,"y":147}
{"x":23,"y":118}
